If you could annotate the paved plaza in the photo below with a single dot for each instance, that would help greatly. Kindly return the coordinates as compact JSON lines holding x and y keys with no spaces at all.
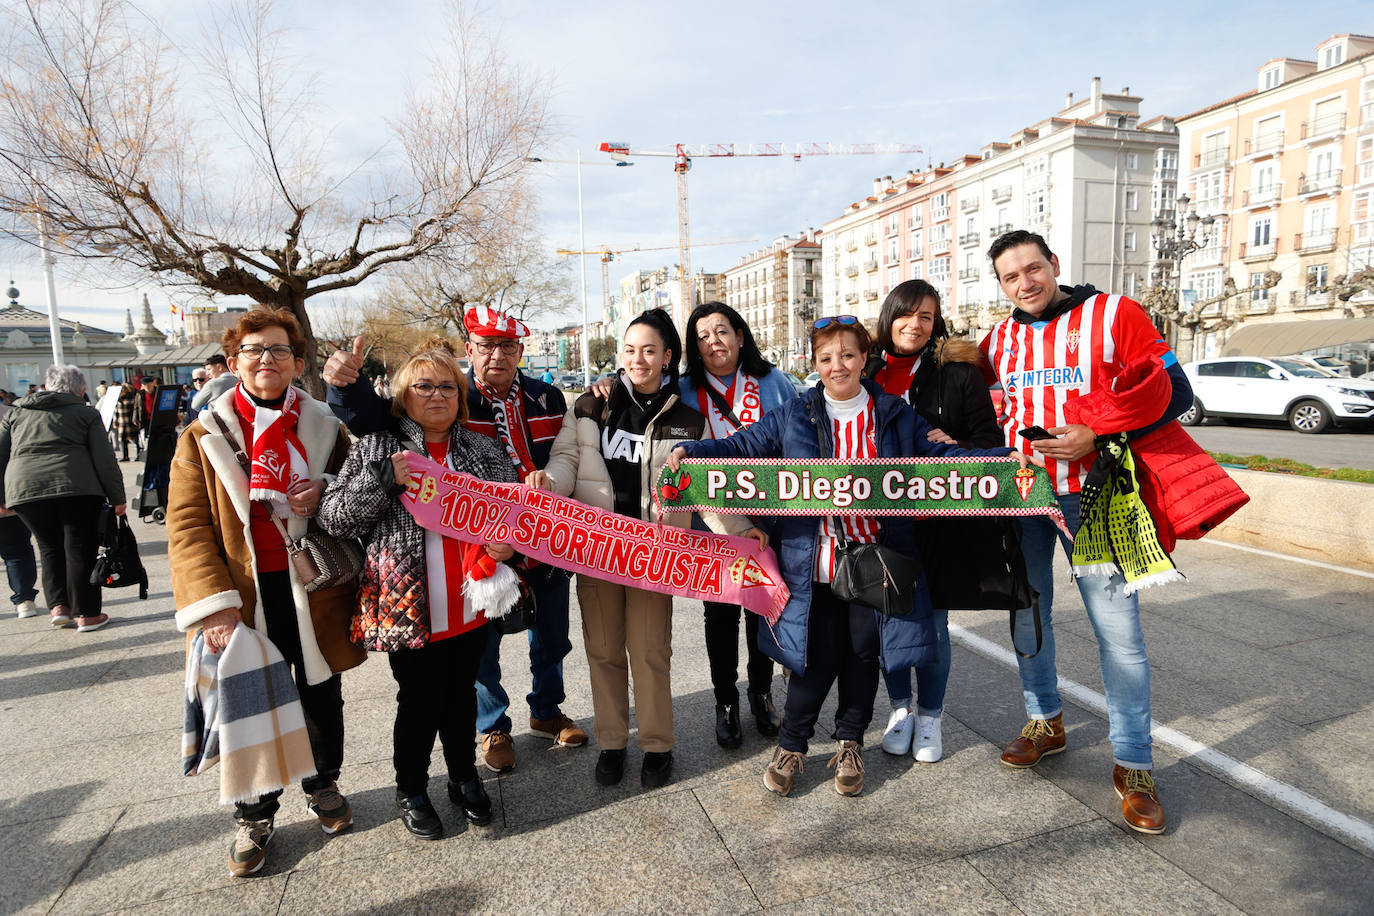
{"x":1262,"y":660}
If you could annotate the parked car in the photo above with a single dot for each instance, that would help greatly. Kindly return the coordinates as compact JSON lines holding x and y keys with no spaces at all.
{"x":811,"y":380}
{"x":1251,"y":387}
{"x":1329,"y":363}
{"x":797,"y":383}
{"x":570,"y":382}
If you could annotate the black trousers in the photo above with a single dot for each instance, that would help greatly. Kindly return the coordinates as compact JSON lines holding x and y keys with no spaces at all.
{"x":841,"y":645}
{"x":66,"y":529}
{"x":722,"y":650}
{"x":436,"y":695}
{"x":322,"y":703}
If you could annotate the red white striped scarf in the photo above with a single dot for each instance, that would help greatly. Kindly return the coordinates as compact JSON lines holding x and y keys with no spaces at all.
{"x":511,"y":427}
{"x":853,"y":432}
{"x":278,"y":457}
{"x":896,"y":374}
{"x":742,"y":394}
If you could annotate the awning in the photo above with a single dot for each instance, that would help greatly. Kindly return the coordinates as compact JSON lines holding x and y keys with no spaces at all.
{"x":1284,"y":338}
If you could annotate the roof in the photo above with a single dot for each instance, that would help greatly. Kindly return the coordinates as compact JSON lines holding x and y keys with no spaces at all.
{"x":17,"y":316}
{"x":1306,"y":76}
{"x":1284,"y":337}
{"x":169,"y":356}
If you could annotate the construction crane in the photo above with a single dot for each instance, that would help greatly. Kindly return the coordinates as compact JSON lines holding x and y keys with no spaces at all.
{"x":609,"y":254}
{"x":682,"y":156}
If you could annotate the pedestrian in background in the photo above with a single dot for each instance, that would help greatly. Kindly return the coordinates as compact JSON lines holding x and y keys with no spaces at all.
{"x":229,"y":558}
{"x":56,"y":472}
{"x":125,"y":426}
{"x":915,"y":360}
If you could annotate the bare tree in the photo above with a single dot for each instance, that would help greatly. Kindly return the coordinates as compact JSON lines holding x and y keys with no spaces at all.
{"x":97,"y":142}
{"x":1162,"y":303}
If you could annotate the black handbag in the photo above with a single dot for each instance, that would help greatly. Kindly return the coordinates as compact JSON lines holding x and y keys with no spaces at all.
{"x":873,"y":575}
{"x":118,"y":563}
{"x":522,"y":616}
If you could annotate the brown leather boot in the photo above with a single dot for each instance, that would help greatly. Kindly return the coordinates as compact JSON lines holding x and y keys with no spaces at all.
{"x":1038,"y":738}
{"x":1139,"y":801}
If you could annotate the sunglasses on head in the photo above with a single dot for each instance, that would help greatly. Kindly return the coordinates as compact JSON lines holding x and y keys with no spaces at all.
{"x":834,"y":319}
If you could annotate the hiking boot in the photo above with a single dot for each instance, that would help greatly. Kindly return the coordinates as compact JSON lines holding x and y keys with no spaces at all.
{"x":87,"y":624}
{"x":900,"y":726}
{"x":560,"y":728}
{"x":1039,"y":738}
{"x":728,"y":732}
{"x":25,"y":609}
{"x":59,"y":616}
{"x":498,"y":753}
{"x":766,"y":716}
{"x":848,"y":764}
{"x":333,"y":810}
{"x":783,"y":771}
{"x":249,"y":850}
{"x":1139,"y":801}
{"x":928,"y":745}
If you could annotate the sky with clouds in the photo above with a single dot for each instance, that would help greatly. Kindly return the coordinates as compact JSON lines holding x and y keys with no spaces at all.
{"x":946,"y":77}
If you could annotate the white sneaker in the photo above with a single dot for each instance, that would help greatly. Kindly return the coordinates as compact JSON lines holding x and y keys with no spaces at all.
{"x":26,"y":609}
{"x":900,"y":725}
{"x":928,"y":747}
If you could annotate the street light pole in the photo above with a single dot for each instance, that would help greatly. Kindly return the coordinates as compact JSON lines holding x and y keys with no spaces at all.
{"x":1175,"y":239}
{"x":582,"y":246}
{"x":45,"y":257}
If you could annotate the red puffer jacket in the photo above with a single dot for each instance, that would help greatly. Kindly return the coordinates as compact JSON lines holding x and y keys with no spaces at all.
{"x":1187,"y":493}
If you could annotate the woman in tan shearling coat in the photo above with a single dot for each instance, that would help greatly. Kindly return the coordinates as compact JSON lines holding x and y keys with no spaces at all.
{"x":229,"y":561}
{"x":606,"y":455}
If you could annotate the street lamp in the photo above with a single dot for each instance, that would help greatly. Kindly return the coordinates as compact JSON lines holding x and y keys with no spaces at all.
{"x":1174,"y":239}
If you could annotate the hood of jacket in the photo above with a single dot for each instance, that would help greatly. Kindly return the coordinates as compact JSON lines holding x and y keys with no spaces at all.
{"x":1077,"y":295}
{"x":957,"y":350}
{"x":48,"y":400}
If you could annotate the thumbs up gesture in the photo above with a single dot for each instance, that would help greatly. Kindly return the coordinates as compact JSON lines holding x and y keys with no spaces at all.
{"x":343,"y":367}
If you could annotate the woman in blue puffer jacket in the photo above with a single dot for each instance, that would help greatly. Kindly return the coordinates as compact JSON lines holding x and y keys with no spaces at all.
{"x":820,"y":638}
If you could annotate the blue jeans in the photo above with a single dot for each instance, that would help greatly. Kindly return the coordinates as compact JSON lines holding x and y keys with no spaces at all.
{"x":1115,"y":619}
{"x":931,"y":680}
{"x":16,"y":547}
{"x":549,"y":645}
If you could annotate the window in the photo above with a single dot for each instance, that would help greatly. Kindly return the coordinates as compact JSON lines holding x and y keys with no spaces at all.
{"x":1261,"y":232}
{"x":1364,"y":158}
{"x":917,"y":270}
{"x":1132,"y":160}
{"x":1271,"y":78}
{"x":1129,"y":240}
{"x":1361,"y":214}
{"x":915,"y":251}
{"x":894,"y":276}
{"x":1166,"y":159}
{"x":1321,"y":164}
{"x":894,"y":222}
{"x":893,"y":250}
{"x":1132,"y":200}
{"x":1207,"y":283}
{"x":1258,"y":293}
{"x":1332,"y":56}
{"x":1222,"y":369}
{"x":1316,"y":277}
{"x":1132,"y":281}
{"x":1037,"y":203}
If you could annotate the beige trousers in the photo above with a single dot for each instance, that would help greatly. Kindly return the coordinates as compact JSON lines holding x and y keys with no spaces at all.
{"x":620,"y":623}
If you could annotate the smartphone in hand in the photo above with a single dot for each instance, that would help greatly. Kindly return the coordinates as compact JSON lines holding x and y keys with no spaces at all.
{"x":1036,"y":433}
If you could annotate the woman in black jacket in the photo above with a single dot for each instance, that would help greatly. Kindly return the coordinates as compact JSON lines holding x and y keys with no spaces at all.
{"x":915,"y":360}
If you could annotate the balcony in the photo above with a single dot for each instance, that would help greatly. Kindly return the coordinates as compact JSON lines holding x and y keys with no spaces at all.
{"x":871,"y":265}
{"x":914,"y":220}
{"x":850,"y":244}
{"x":870,"y":294}
{"x":1265,"y":144}
{"x":970,"y":238}
{"x":1210,"y":157}
{"x":1266,"y":196}
{"x":851,"y":298}
{"x":1163,"y":174}
{"x":968,"y":204}
{"x":939,"y":246}
{"x":1001,"y":229}
{"x":851,"y":269}
{"x":1325,"y":183}
{"x":914,"y":253}
{"x":939,"y":213}
{"x":1308,"y":300}
{"x":968,"y":273}
{"x":1320,"y":240}
{"x":1252,"y":252}
{"x":1324,"y":128}
{"x":1002,"y":194}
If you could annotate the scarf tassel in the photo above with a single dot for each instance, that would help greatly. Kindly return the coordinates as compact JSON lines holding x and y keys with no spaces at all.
{"x":494,"y":594}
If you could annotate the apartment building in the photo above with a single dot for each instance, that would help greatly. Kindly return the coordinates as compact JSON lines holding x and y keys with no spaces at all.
{"x":1090,"y":178}
{"x":1286,"y":170}
{"x":776,"y":290}
{"x":659,"y":288}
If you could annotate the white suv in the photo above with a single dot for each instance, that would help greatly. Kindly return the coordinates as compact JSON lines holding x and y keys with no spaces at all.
{"x":1279,"y":388}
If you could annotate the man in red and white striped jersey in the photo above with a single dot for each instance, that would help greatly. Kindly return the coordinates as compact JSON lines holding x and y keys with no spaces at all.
{"x":1061,"y":343}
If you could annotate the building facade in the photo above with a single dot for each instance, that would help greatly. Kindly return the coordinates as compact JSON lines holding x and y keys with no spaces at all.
{"x":1090,"y":179}
{"x":777,"y":290}
{"x":660,"y":288}
{"x":1286,"y":171}
{"x":26,"y":348}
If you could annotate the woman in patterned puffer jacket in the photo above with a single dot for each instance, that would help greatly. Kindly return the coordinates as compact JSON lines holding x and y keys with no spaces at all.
{"x":411,"y":600}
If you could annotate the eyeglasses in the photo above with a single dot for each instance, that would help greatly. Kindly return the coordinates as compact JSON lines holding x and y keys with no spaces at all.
{"x":280,"y":352}
{"x":834,"y":319}
{"x":486,"y":348}
{"x":448,"y":391}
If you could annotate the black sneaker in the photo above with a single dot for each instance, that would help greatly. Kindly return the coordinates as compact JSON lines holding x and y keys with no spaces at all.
{"x":248,"y":852}
{"x":610,"y":767}
{"x":419,"y":816}
{"x":472,"y":799}
{"x":658,"y":766}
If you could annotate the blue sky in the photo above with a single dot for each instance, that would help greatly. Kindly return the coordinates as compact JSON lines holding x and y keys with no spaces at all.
{"x":948,"y":77}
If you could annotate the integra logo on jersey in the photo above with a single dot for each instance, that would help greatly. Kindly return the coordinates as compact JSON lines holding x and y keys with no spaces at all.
{"x":622,"y":445}
{"x":1056,"y":377}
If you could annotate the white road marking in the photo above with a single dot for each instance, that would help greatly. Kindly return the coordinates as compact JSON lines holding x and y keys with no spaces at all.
{"x":1314,"y":811}
{"x":1284,"y":556}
